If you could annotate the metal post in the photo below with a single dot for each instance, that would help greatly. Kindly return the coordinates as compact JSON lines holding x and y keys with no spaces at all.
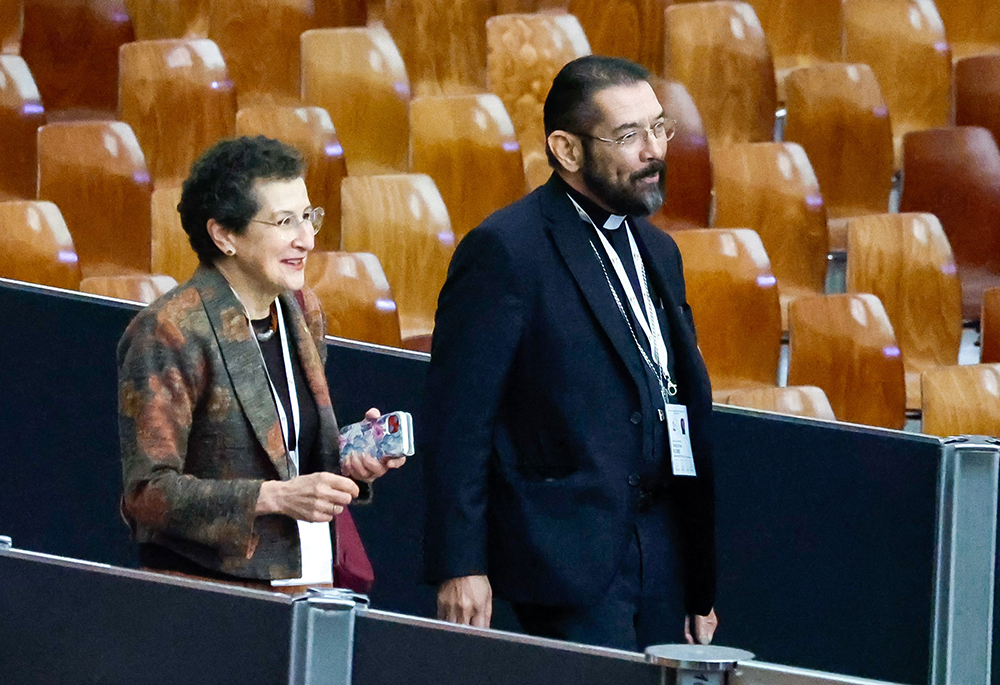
{"x":962,"y":632}
{"x":695,"y":664}
{"x":322,"y":648}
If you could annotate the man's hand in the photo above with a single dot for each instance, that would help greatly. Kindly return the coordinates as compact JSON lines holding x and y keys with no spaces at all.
{"x":467,"y":600}
{"x":367,"y":468}
{"x":316,"y":497}
{"x":704,"y":628}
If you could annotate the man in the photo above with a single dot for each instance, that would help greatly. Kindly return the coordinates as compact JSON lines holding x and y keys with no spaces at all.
{"x":563,"y":352}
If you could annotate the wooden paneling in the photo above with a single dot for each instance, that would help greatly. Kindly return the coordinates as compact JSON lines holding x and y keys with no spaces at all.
{"x":454,"y":140}
{"x":799,"y":33}
{"x":72,"y":49}
{"x":35,"y":245}
{"x":177,"y":97}
{"x":443,"y":43}
{"x":357,"y":75}
{"x":989,"y":327}
{"x":356,"y":296}
{"x":905,"y":260}
{"x":259,"y":40}
{"x":771,"y":188}
{"x":973,"y":26}
{"x":845,"y":345}
{"x":962,"y":400}
{"x":142,"y":288}
{"x":402,"y":220}
{"x":311,"y":132}
{"x":836,"y":112}
{"x":525,"y":52}
{"x":798,"y":400}
{"x":95,"y":172}
{"x":11,"y":26}
{"x":903,"y":41}
{"x":605,"y":22}
{"x":977,"y":93}
{"x":334,"y":13}
{"x":734,"y":300}
{"x":954,"y":173}
{"x":689,"y":166}
{"x":155,"y":19}
{"x":719,"y":52}
{"x":172,"y":253}
{"x":21,"y":113}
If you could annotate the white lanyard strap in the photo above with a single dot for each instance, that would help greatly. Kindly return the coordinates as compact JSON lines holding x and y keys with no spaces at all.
{"x":650,"y":326}
{"x":293,"y":396}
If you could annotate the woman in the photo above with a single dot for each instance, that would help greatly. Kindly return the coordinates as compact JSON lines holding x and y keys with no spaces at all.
{"x":229,"y":441}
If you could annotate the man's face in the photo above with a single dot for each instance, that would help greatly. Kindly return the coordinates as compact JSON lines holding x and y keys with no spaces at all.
{"x":628,"y":178}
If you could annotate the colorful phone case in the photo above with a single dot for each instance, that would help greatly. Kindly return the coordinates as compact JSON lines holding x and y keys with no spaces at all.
{"x":389,"y":436}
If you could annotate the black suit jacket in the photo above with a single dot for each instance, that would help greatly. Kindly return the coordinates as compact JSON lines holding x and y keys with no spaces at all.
{"x":538,"y":412}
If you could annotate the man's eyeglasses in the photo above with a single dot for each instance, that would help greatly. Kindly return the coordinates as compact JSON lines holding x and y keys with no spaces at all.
{"x":662,"y":130}
{"x":292,"y":223}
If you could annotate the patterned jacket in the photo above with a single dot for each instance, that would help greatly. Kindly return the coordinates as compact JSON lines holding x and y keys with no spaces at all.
{"x":200,"y":432}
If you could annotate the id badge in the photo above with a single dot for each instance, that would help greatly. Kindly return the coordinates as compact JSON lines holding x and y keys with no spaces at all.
{"x":679,"y":431}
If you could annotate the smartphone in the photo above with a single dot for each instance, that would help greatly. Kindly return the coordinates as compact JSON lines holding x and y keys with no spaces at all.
{"x":389,"y":436}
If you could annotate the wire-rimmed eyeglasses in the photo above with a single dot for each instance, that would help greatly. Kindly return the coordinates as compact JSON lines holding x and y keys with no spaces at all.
{"x":661,"y":130}
{"x":292,"y":223}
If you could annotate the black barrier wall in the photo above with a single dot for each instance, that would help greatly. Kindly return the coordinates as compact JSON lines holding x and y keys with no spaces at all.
{"x":826,"y":534}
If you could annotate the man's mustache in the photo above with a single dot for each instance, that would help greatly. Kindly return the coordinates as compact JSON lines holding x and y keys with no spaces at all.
{"x":653,"y":169}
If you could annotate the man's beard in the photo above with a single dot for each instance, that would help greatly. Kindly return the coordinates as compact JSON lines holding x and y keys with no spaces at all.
{"x":628,"y":198}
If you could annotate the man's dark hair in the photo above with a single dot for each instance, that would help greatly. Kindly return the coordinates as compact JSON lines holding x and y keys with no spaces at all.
{"x":570,"y":107}
{"x":221,"y":187}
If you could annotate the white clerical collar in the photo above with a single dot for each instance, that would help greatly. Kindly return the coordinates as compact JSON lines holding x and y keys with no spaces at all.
{"x":614,"y":222}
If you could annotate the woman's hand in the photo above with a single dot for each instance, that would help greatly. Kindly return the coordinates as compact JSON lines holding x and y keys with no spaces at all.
{"x":316,"y":497}
{"x":367,"y":468}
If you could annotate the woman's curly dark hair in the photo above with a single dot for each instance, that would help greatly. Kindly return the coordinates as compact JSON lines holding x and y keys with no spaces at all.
{"x":221,"y":187}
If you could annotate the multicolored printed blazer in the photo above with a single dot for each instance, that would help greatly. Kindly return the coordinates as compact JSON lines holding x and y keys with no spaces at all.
{"x":200,"y":432}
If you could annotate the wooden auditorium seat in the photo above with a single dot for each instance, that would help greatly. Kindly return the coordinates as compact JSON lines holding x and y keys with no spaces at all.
{"x":72,"y":50}
{"x":962,"y":400}
{"x":94,"y":171}
{"x":977,"y":92}
{"x":836,"y":112}
{"x":689,"y":166}
{"x":800,"y":34}
{"x":172,"y":253}
{"x":402,"y":220}
{"x":954,"y":173}
{"x":989,"y":327}
{"x":21,"y":113}
{"x":973,"y":26}
{"x":177,"y":97}
{"x":310,"y":130}
{"x":443,"y":43}
{"x":719,"y":52}
{"x":905,"y":261}
{"x":153,"y":19}
{"x":11,"y":26}
{"x":35,"y":245}
{"x":845,"y":344}
{"x":903,"y":41}
{"x":357,"y":75}
{"x":142,"y":288}
{"x":734,"y":301}
{"x":605,"y":25}
{"x":525,"y":52}
{"x":797,"y":400}
{"x":333,"y":13}
{"x":356,"y":296}
{"x":771,"y":188}
{"x":456,"y":140}
{"x":259,"y":40}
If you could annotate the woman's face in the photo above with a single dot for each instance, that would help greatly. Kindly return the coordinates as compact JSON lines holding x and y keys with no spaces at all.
{"x":273,"y":258}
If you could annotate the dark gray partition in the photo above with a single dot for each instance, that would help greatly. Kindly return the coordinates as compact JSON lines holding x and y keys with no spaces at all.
{"x":826,"y":533}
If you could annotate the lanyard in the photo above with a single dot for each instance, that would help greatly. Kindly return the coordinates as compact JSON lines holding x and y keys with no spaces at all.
{"x":293,"y":396}
{"x":650,"y":326}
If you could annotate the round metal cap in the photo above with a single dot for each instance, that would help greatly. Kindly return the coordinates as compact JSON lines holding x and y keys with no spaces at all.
{"x":6,"y":542}
{"x":697,"y":657}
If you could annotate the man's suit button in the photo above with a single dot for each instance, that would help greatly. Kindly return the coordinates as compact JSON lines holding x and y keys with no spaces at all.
{"x":633,"y":480}
{"x":636,"y":418}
